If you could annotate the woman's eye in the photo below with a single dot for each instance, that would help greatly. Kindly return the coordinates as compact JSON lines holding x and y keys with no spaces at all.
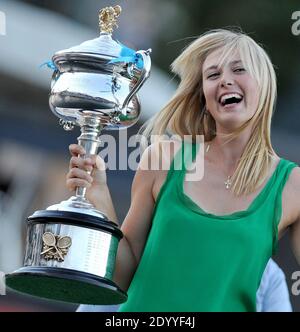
{"x":212,"y":75}
{"x":238,"y":70}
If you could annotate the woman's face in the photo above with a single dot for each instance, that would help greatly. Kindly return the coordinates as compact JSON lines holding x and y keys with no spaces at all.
{"x":231,"y":93}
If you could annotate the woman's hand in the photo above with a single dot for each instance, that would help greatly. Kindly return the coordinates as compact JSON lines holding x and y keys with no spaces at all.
{"x":78,"y":175}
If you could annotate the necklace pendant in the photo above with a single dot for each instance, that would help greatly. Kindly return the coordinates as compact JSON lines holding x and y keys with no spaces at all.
{"x":227,"y":183}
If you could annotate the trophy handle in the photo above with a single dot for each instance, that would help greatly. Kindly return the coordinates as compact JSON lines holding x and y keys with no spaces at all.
{"x":144,"y":75}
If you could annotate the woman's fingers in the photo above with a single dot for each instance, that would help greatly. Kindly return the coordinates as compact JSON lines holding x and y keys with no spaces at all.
{"x":85,"y":171}
{"x":76,"y":150}
{"x":73,"y":183}
{"x":79,"y":174}
{"x":85,"y":164}
{"x":77,"y":177}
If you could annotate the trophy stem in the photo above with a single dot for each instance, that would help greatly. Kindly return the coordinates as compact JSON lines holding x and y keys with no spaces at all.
{"x":90,"y":141}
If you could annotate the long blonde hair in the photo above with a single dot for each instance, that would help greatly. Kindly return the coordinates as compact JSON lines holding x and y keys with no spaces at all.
{"x":185,"y":112}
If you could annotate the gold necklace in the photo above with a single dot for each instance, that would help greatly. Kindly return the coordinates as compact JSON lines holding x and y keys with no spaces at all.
{"x":228,"y":182}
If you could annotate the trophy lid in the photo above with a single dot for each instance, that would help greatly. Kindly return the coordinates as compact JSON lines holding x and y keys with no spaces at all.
{"x":103,"y":46}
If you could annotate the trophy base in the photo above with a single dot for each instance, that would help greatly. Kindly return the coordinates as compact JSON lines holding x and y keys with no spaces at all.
{"x":65,"y":285}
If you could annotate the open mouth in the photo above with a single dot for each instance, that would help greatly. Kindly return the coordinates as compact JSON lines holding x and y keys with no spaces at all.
{"x":230,"y":99}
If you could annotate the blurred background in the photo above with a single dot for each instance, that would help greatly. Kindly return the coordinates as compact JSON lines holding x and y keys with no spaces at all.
{"x":34,"y":148}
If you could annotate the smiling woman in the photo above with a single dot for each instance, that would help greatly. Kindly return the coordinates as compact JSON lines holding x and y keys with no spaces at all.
{"x":203,"y":245}
{"x":219,"y":63}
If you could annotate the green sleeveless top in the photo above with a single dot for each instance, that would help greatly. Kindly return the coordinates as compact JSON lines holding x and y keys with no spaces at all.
{"x":196,"y":261}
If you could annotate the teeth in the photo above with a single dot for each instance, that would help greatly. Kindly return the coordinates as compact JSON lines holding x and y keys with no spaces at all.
{"x":230,"y":95}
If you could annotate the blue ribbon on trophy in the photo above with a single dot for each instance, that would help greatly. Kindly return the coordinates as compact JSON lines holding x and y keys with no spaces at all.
{"x":50,"y":64}
{"x":129,"y":56}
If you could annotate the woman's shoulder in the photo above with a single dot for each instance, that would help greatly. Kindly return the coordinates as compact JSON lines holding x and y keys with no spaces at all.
{"x":291,"y":192}
{"x":294,"y":177}
{"x":158,"y":158}
{"x":294,"y":180}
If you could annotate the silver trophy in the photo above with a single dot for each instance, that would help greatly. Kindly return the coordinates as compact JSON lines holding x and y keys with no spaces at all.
{"x":71,"y":246}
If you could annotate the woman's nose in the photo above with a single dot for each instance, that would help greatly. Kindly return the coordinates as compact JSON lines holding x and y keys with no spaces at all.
{"x":226,"y":80}
{"x":226,"y":83}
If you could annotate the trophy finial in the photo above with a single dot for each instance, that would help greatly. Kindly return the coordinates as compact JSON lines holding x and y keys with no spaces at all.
{"x":108,"y":18}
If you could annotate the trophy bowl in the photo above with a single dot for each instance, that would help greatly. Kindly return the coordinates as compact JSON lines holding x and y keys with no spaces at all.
{"x":71,"y":247}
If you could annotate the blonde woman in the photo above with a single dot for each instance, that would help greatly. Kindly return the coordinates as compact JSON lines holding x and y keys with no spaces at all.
{"x":203,"y":245}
